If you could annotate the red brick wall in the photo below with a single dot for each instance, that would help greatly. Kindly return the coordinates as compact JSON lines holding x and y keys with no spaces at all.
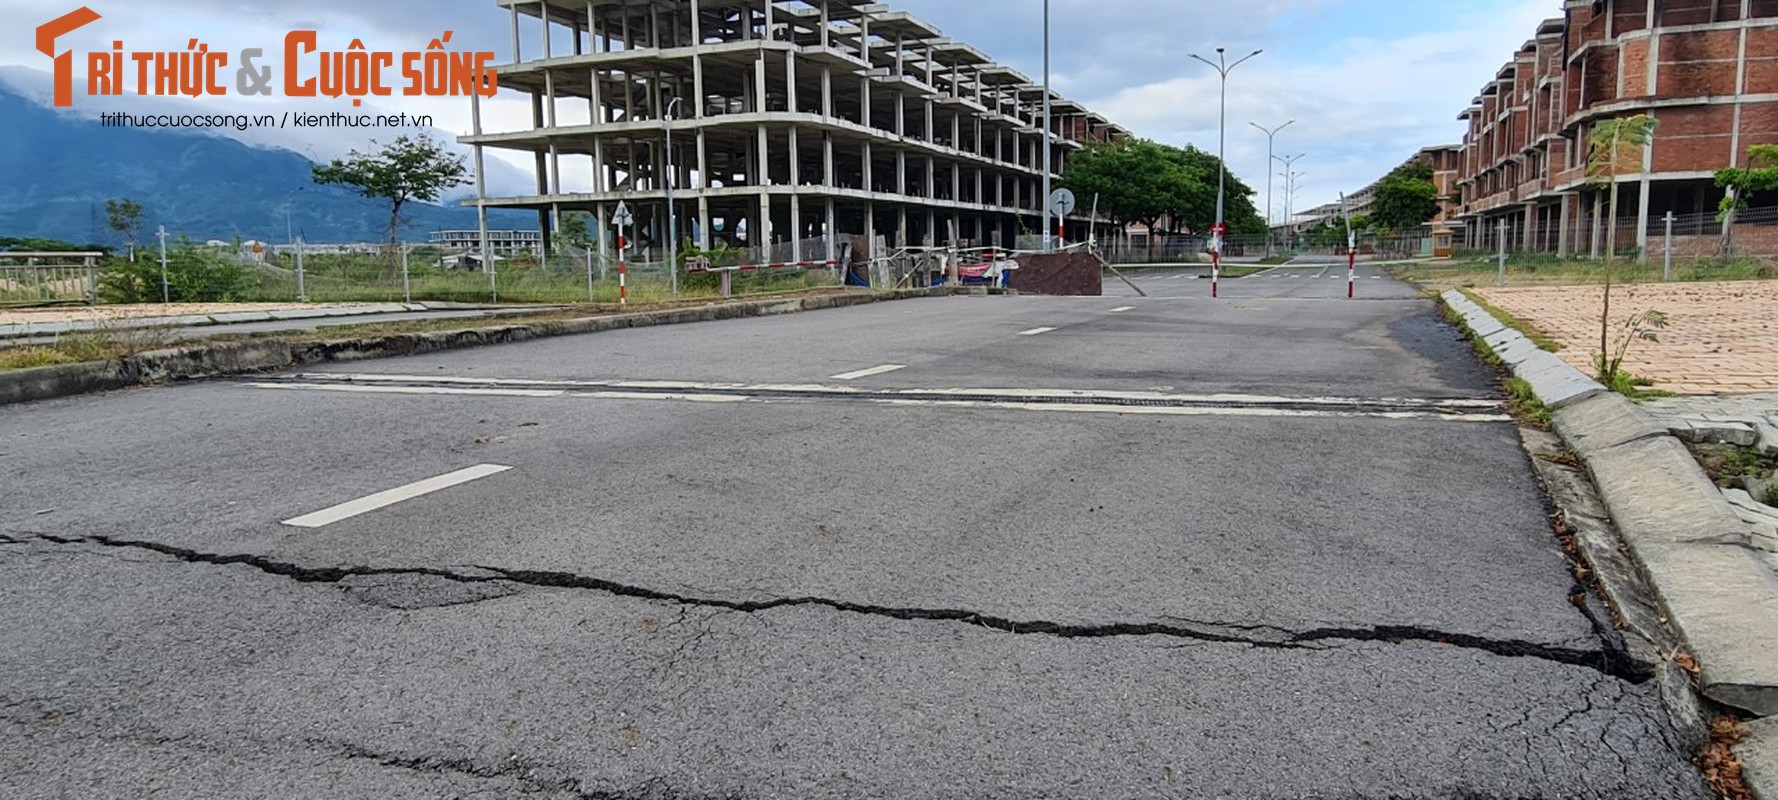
{"x":1636,"y":68}
{"x":1628,"y":15}
{"x":1693,"y":138}
{"x":1762,"y":60}
{"x":1695,"y":12}
{"x":1599,"y":84}
{"x":1698,"y":63}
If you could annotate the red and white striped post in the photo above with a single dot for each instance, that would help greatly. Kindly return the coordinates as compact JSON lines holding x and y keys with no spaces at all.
{"x":623,"y":270}
{"x":1351,"y":264}
{"x":1216,"y":232}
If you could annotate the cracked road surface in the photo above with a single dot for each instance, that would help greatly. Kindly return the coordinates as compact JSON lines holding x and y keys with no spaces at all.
{"x":1292,"y":551}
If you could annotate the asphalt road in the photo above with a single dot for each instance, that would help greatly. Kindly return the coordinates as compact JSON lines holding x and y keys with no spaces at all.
{"x":1279,"y":545}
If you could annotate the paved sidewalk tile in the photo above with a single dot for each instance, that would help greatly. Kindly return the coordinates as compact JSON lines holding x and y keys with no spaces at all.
{"x":1721,"y":338}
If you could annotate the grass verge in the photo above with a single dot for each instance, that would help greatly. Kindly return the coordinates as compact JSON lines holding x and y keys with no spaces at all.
{"x":1537,"y":337}
{"x":1537,"y":269}
{"x":109,"y":342}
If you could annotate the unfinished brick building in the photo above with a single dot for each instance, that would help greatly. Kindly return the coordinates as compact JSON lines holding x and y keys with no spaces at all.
{"x":1706,"y":70}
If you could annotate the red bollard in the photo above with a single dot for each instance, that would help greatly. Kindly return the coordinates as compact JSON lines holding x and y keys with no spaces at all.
{"x":1351,"y":271}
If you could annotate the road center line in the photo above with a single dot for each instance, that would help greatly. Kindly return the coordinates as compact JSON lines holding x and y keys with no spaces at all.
{"x":865,"y":373}
{"x":369,"y":503}
{"x":1035,"y":331}
{"x":1122,"y":309}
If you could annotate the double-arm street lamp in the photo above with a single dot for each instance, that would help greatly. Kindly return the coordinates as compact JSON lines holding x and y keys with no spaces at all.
{"x":1269,"y":134}
{"x":1222,"y":68}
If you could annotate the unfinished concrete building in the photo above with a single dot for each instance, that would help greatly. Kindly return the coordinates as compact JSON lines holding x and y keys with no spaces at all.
{"x":786,"y":123}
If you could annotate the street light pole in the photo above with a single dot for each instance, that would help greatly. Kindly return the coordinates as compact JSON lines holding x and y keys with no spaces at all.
{"x":1269,"y":134}
{"x":1289,"y":185}
{"x":1222,"y":68}
{"x":672,"y":220}
{"x":1046,"y":126}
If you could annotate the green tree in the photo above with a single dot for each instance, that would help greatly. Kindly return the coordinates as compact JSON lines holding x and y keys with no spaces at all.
{"x":404,"y":170}
{"x":194,"y":274}
{"x":1615,"y":148}
{"x":1760,"y":175}
{"x":1131,"y":180}
{"x":1405,"y":198}
{"x":573,"y":231}
{"x":125,"y":217}
{"x":1197,"y":205}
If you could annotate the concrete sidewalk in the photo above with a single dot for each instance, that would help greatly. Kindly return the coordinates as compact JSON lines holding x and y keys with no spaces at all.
{"x":1720,"y":338}
{"x":1713,"y":573}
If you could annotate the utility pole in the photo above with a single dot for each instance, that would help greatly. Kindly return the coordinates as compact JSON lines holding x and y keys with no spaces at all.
{"x":166,"y":292}
{"x":1222,"y":68}
{"x":1667,"y":267}
{"x":1502,"y":280}
{"x":1046,"y":126}
{"x":672,"y":220}
{"x":1269,"y":219}
{"x":302,"y":296}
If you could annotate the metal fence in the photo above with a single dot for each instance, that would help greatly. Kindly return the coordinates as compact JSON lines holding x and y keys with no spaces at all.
{"x":48,"y":278}
{"x":328,"y":273}
{"x":1752,"y":234}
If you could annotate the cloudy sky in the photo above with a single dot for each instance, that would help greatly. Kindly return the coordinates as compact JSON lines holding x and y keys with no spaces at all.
{"x":1368,"y":82}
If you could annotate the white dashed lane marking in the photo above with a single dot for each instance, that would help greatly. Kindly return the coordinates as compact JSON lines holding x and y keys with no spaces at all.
{"x":865,"y":373}
{"x":369,"y":503}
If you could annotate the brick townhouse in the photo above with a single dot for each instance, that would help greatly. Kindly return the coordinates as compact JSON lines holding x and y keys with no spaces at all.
{"x":1706,"y":70}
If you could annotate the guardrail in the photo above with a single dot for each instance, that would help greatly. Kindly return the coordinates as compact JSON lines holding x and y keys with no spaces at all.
{"x":36,"y":279}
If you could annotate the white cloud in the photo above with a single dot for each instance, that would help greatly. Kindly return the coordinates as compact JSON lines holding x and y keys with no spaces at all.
{"x":1359,"y":112}
{"x":1361,"y":105}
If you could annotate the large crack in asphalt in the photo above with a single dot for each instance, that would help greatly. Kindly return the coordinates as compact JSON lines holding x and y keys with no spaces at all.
{"x":1607,"y":661}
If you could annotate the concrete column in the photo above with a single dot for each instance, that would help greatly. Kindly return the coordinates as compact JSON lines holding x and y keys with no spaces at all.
{"x":826,"y":83}
{"x":759,"y":83}
{"x":791,"y":101}
{"x":829,"y":231}
{"x":1562,"y":226}
{"x":764,"y":237}
{"x":1530,"y":240}
{"x":592,"y":27}
{"x":517,"y":56}
{"x":901,"y":225}
{"x":796,"y":210}
{"x":697,"y":63}
{"x":543,"y":19}
{"x":870,"y":185}
{"x":827,"y":176}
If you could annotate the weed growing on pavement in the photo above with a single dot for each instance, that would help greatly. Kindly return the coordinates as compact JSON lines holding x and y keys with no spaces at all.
{"x":32,"y":356}
{"x":103,"y":343}
{"x":1725,"y":463}
{"x":1523,"y":402}
{"x":1643,"y":327}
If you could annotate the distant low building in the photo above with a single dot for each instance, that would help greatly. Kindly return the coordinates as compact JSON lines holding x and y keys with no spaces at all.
{"x":498,"y":241}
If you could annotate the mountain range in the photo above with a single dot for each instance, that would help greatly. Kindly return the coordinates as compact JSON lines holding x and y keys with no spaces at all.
{"x":59,"y":169}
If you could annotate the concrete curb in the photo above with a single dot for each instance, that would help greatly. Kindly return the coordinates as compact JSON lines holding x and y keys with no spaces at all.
{"x":22,"y":330}
{"x":1684,"y":536}
{"x":236,"y":358}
